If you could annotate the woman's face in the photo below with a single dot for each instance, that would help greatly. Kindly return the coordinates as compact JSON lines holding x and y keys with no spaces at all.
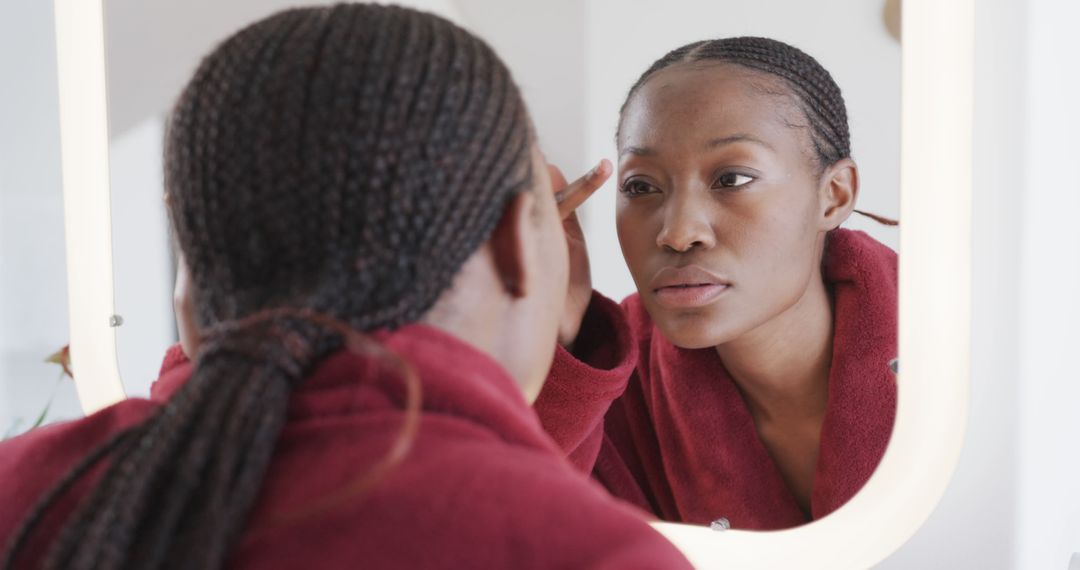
{"x":719,"y":211}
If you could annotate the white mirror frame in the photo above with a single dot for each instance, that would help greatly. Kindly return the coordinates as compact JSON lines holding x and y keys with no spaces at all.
{"x":84,"y":149}
{"x":935,"y":287}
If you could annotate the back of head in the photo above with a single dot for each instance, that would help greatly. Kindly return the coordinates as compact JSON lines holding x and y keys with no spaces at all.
{"x":345,"y":159}
{"x":342,"y":160}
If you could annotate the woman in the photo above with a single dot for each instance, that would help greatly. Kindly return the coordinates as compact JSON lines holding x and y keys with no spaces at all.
{"x":748,"y":381}
{"x":333,"y":170}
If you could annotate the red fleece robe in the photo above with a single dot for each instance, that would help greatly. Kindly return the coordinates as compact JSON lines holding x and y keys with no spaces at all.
{"x":482,"y":487}
{"x":667,"y":429}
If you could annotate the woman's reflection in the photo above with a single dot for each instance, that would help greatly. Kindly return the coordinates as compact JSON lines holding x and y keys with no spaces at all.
{"x":749,"y":378}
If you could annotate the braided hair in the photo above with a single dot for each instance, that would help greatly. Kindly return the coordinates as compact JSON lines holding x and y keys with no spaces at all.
{"x":338,"y":161}
{"x":815,"y":91}
{"x":817,"y":95}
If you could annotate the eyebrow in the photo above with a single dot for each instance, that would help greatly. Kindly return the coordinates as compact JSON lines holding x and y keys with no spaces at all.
{"x":714,"y":143}
{"x":738,"y":137}
{"x":638,"y":150}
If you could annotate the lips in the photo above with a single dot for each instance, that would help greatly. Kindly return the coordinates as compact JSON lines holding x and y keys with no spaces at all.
{"x":687,"y":287}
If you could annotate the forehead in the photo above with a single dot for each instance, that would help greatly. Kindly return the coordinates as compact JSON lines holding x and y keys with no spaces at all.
{"x":690,"y":104}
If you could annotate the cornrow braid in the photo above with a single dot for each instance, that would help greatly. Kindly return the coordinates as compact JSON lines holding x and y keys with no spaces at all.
{"x":817,"y":93}
{"x":340,"y":161}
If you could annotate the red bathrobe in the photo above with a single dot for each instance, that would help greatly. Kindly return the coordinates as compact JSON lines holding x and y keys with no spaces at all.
{"x":667,"y":429}
{"x":482,"y":487}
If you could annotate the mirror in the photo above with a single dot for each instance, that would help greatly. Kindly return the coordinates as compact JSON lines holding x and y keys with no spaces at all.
{"x":152,"y":48}
{"x":588,"y":127}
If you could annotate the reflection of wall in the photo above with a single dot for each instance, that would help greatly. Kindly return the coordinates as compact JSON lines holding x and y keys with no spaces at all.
{"x":153,"y":47}
{"x":543,"y":44}
{"x":33,"y":286}
{"x":142,"y":265}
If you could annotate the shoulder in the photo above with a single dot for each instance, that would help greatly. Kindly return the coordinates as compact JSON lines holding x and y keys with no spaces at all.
{"x":57,"y":443}
{"x":468,"y":497}
{"x":557,"y":513}
{"x":48,"y":452}
{"x":856,"y":256}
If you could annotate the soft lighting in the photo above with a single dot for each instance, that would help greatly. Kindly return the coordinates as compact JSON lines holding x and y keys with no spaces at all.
{"x":84,"y":142}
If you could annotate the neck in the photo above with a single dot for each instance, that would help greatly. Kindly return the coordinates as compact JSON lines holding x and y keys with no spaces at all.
{"x":782,"y":366}
{"x":476,"y":310}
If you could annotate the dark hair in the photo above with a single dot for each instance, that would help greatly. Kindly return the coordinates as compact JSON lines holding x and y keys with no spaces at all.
{"x":340,"y":162}
{"x":814,"y":89}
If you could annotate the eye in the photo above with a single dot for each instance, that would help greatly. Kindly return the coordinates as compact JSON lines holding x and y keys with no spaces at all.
{"x":637,"y":187}
{"x":733,"y":180}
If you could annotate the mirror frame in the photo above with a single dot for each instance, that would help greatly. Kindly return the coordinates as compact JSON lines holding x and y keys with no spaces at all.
{"x":84,"y":155}
{"x":935,"y":287}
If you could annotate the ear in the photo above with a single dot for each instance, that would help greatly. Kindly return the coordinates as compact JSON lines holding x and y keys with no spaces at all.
{"x":839,"y":190}
{"x":510,"y":245}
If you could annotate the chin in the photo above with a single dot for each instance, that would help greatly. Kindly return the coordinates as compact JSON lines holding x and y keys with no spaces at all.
{"x":694,"y":330}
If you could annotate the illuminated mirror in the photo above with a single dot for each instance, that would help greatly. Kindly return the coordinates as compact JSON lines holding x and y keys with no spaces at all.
{"x":118,"y":252}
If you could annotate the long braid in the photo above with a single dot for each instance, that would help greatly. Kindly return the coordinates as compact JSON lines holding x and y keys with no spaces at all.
{"x":342,"y":160}
{"x":817,"y":93}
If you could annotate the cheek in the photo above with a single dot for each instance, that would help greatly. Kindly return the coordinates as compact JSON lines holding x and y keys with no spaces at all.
{"x":637,"y":236}
{"x":779,"y":252}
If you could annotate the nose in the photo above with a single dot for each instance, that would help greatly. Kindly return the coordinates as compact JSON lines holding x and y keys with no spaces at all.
{"x":687,"y":224}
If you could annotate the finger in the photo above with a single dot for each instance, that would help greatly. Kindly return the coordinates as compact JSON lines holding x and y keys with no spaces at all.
{"x":575,"y":194}
{"x":558,"y":181}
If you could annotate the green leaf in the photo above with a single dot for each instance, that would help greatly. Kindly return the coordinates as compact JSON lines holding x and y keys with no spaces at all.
{"x":41,"y":418}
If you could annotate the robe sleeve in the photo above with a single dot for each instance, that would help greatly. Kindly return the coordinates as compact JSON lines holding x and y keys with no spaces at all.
{"x":582,"y":385}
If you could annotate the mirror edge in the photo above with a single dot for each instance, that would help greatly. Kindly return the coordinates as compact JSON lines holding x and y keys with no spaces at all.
{"x":84,"y":143}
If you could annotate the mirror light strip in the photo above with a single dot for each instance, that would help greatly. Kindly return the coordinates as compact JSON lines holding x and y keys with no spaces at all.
{"x":935,"y":316}
{"x":84,"y":142}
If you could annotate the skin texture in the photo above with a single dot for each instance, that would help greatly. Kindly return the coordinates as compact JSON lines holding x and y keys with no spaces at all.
{"x":507,"y":297}
{"x":716,"y":172}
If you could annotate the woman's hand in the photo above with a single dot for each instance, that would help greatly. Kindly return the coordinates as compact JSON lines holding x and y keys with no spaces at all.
{"x":569,"y":197}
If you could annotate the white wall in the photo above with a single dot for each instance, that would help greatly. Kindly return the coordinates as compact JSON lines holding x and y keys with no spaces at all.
{"x":543,"y":45}
{"x":33,"y":286}
{"x":1049,"y":459}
